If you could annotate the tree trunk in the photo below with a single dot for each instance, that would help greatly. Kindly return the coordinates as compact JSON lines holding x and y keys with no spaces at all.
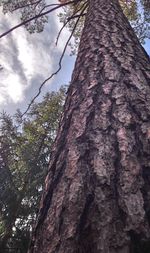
{"x":97,"y":194}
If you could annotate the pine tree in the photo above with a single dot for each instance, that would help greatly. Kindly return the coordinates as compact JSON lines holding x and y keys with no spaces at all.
{"x":25,"y":151}
{"x":97,"y":192}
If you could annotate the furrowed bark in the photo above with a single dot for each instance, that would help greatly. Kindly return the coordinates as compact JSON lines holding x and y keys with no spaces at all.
{"x":97,"y":193}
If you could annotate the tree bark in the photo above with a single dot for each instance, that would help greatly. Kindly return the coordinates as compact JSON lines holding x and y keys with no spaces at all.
{"x":97,"y":193}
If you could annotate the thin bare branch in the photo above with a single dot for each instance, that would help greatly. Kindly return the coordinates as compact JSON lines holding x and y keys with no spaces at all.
{"x":70,"y":18}
{"x":56,"y":72}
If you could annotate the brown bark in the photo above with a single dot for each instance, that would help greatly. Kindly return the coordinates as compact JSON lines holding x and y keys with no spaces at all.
{"x":97,"y":194}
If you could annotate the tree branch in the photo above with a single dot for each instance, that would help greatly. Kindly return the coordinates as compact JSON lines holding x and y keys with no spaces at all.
{"x":36,"y":17}
{"x":55,"y":73}
{"x":70,"y":18}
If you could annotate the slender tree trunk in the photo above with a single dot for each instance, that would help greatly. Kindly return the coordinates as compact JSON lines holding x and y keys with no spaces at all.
{"x":97,"y":194}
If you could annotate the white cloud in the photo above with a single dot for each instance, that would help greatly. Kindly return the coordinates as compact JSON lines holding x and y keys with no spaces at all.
{"x":14,"y":88}
{"x":23,"y":57}
{"x":25,"y":53}
{"x":11,"y":88}
{"x":2,"y":96}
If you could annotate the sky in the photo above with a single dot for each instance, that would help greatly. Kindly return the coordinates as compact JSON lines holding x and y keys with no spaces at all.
{"x":28,"y":59}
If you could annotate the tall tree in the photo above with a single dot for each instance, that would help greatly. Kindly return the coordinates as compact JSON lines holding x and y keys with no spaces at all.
{"x":97,"y":192}
{"x":24,"y":158}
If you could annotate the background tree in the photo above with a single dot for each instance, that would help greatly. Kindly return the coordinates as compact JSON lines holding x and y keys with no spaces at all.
{"x":24,"y":157}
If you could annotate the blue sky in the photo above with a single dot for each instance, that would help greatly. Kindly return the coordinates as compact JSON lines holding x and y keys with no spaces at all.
{"x":28,"y":59}
{"x":147,"y":46}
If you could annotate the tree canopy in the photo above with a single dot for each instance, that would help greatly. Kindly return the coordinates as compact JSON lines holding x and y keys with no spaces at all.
{"x":34,"y":14}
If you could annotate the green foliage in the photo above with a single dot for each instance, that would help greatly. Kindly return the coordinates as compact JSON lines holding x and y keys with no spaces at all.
{"x":130,"y":9}
{"x":137,"y":12}
{"x":27,"y":9}
{"x":25,"y":152}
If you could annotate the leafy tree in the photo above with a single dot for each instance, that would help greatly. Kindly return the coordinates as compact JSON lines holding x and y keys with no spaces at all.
{"x":25,"y":151}
{"x":27,"y":9}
